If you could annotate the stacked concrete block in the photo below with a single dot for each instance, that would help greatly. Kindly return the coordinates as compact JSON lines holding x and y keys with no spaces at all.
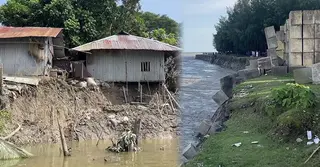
{"x":303,"y":75}
{"x":272,"y":41}
{"x":303,"y":38}
{"x":295,"y":39}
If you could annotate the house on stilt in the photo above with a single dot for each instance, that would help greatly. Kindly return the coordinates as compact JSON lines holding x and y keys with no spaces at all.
{"x":127,"y":58}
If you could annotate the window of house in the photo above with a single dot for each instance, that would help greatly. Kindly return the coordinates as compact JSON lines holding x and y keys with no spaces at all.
{"x":145,"y":66}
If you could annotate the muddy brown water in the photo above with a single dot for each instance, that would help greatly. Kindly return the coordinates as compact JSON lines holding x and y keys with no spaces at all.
{"x":87,"y":154}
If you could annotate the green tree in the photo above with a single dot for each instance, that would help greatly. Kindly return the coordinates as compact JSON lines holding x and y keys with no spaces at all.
{"x":161,"y":35}
{"x":84,"y":21}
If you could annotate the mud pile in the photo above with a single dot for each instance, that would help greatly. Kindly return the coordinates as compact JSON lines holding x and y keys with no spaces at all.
{"x":85,"y":113}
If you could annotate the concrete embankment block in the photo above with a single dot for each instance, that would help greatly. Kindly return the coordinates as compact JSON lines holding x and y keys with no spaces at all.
{"x":190,"y":152}
{"x":303,"y":75}
{"x":203,"y":128}
{"x":249,"y":73}
{"x":308,"y":17}
{"x":204,"y":57}
{"x":279,"y":70}
{"x":220,"y":97}
{"x":295,"y":17}
{"x":270,"y":32}
{"x":316,"y":73}
{"x":227,"y":84}
{"x":272,"y":42}
{"x":215,"y":127}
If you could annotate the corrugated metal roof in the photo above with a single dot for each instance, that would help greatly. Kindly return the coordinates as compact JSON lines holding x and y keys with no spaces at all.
{"x":19,"y":32}
{"x":126,"y":42}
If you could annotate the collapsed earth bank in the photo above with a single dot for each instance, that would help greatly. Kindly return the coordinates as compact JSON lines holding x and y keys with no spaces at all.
{"x":86,"y":113}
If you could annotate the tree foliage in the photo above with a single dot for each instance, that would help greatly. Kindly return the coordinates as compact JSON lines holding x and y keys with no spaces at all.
{"x":243,"y":28}
{"x":84,"y":21}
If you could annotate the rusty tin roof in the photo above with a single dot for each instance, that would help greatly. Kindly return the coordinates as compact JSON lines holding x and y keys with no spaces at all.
{"x":126,"y":42}
{"x":19,"y":32}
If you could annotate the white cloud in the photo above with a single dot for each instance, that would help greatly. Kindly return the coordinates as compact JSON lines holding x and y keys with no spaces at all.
{"x":206,"y":6}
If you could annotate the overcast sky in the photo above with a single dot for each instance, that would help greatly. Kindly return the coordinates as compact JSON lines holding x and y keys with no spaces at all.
{"x":198,"y":17}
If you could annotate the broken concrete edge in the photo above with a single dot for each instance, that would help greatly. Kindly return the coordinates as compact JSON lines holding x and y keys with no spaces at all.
{"x":204,"y":57}
{"x":190,"y":151}
{"x":232,"y":62}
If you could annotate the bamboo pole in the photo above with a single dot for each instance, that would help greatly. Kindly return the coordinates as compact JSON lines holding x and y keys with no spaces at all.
{"x":63,"y":141}
{"x":166,"y":89}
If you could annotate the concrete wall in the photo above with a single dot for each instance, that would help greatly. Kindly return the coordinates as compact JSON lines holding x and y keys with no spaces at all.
{"x":226,"y":61}
{"x":222,"y":114}
{"x":16,"y":58}
{"x":303,"y":35}
{"x":123,"y":66}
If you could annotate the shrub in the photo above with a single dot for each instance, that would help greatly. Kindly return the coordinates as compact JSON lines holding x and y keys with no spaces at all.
{"x":293,"y":108}
{"x":291,"y":96}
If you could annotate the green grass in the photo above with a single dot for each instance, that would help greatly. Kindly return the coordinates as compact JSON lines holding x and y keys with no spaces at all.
{"x":247,"y":115}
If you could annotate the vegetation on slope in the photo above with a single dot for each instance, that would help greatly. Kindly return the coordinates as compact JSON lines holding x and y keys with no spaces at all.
{"x":254,"y":118}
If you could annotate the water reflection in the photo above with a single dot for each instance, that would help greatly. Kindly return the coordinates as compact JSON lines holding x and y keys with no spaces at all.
{"x":87,"y":154}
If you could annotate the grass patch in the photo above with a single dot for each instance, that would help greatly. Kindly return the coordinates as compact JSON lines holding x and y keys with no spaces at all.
{"x":248,"y":113}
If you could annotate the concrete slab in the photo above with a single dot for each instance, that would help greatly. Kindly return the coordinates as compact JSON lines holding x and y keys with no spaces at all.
{"x":295,"y":59}
{"x":317,"y":45}
{"x":272,"y":42}
{"x":215,"y":127}
{"x":295,"y":17}
{"x":296,"y":32}
{"x":272,"y":53}
{"x":317,"y":57}
{"x":270,"y":32}
{"x":303,"y":75}
{"x":280,"y":35}
{"x":189,"y":152}
{"x":308,"y":31}
{"x":279,"y":70}
{"x":280,"y":54}
{"x":308,"y":45}
{"x":203,"y":128}
{"x":264,"y":63}
{"x":317,"y":16}
{"x":227,"y":83}
{"x":253,"y":64}
{"x":280,"y":45}
{"x":292,"y":68}
{"x":220,"y":97}
{"x":296,"y":45}
{"x":317,"y":31}
{"x":308,"y":17}
{"x":308,"y":59}
{"x":316,"y":73}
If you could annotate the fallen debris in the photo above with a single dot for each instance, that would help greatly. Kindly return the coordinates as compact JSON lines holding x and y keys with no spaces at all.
{"x":299,"y":140}
{"x":126,"y":143}
{"x":23,"y":80}
{"x":237,"y":144}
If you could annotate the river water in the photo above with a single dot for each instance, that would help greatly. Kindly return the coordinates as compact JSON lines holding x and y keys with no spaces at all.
{"x":199,"y":81}
{"x":87,"y":154}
